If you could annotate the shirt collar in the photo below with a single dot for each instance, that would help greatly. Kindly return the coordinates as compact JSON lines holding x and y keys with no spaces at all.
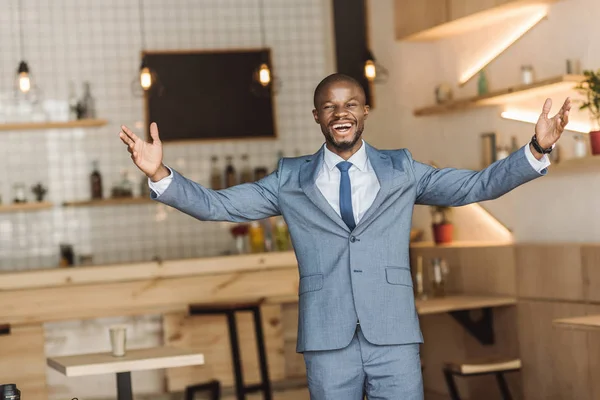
{"x":358,"y":159}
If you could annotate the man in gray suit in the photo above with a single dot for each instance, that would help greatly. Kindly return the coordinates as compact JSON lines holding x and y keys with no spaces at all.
{"x":349,"y":209}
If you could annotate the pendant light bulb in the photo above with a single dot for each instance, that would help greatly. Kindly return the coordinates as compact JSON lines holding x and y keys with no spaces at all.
{"x":264,"y":75}
{"x":23,"y":77}
{"x":370,"y":70}
{"x":145,"y":78}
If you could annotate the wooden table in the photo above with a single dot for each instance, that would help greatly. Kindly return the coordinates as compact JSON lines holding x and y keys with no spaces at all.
{"x":134,"y":360}
{"x":460,"y":306}
{"x":589,"y":322}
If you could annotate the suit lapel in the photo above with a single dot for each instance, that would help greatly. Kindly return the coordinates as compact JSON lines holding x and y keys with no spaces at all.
{"x":384,"y":169}
{"x":308,"y":177}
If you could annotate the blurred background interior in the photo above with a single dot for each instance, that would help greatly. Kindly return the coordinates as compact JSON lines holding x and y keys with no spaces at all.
{"x":508,"y":290}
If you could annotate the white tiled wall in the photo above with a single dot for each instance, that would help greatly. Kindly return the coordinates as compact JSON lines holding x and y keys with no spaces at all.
{"x":99,"y":41}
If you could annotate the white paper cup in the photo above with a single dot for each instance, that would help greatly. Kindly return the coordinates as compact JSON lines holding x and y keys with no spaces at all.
{"x":118,"y":340}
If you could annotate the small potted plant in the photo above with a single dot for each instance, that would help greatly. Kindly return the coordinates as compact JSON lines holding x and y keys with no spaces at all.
{"x":590,"y":87}
{"x":442,"y":226}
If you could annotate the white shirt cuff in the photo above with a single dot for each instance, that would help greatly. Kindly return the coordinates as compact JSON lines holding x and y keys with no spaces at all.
{"x":162,"y":185}
{"x":536,"y":164}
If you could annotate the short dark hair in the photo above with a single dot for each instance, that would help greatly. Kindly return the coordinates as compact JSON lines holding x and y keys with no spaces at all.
{"x":335,"y":78}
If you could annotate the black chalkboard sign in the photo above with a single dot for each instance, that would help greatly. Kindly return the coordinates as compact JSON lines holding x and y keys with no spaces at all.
{"x":209,"y":95}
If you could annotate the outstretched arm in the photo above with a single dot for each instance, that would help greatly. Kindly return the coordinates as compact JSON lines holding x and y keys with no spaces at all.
{"x":240,"y":203}
{"x":456,"y":187}
{"x":250,"y":201}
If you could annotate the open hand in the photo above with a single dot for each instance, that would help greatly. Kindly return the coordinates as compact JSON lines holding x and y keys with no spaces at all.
{"x":548,"y":130}
{"x":146,"y":156}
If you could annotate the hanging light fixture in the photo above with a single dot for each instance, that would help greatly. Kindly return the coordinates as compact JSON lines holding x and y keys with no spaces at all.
{"x":370,"y":70}
{"x":146,"y":78}
{"x":264,"y":82}
{"x":23,"y":81}
{"x":374,"y":72}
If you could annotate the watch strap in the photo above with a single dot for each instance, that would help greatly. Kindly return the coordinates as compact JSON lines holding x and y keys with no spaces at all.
{"x":539,"y":148}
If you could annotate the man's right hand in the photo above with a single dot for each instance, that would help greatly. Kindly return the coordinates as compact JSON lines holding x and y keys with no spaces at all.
{"x":146,"y":156}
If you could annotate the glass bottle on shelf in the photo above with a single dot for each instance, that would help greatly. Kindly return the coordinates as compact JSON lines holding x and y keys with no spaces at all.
{"x":419,"y":287}
{"x":281,"y":234}
{"x":19,"y":193}
{"x":126,"y":186}
{"x":95,"y":181}
{"x":88,"y":103}
{"x":246,"y":172}
{"x":230,"y":174}
{"x":437,"y":278}
{"x":256,"y":236}
{"x":73,"y":104}
{"x":216,"y":179}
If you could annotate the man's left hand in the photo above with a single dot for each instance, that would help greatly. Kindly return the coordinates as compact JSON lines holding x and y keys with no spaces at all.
{"x":548,"y":130}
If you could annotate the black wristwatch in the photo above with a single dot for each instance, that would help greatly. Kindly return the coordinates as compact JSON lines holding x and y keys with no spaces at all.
{"x":539,"y":148}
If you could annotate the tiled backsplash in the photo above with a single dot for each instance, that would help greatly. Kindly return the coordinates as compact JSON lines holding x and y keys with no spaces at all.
{"x":72,"y":41}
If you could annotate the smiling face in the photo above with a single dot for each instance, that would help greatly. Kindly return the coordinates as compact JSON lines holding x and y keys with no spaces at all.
{"x":340,"y":110}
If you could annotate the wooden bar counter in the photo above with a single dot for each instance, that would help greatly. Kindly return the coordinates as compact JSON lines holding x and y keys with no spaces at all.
{"x":31,"y":298}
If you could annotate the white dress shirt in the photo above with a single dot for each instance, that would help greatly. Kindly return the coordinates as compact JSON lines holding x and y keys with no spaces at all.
{"x":363,"y":179}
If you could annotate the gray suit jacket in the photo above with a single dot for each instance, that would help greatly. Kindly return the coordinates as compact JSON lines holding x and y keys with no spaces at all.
{"x":345,"y":276}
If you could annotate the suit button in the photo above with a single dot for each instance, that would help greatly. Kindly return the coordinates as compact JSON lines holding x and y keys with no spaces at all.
{"x":352,"y":239}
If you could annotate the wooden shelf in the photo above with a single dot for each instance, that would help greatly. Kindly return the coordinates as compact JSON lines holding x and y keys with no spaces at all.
{"x":433,"y":20}
{"x":108,"y":202}
{"x":80,"y":123}
{"x":31,"y":206}
{"x":511,"y":94}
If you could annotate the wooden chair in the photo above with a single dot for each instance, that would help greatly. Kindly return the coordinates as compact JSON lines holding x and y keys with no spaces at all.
{"x":497,"y":367}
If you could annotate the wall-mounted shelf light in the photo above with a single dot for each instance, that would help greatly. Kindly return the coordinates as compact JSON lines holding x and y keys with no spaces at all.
{"x":493,"y":51}
{"x":532,"y":118}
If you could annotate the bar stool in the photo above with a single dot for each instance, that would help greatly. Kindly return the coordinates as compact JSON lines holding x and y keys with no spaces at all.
{"x":497,"y":367}
{"x":229,"y":310}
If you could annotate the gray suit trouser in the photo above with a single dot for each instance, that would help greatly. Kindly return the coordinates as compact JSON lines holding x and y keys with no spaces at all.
{"x":382,"y":372}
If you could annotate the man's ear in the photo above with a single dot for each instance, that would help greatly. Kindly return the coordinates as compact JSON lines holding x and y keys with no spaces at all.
{"x":366,"y":111}
{"x":315,"y":115}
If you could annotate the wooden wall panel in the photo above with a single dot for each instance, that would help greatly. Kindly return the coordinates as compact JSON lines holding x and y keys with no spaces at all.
{"x":473,"y":270}
{"x":590,"y":258}
{"x":549,"y":271}
{"x":210,"y":335}
{"x":594,"y":355}
{"x":555,"y":360}
{"x":23,"y":361}
{"x":488,"y":270}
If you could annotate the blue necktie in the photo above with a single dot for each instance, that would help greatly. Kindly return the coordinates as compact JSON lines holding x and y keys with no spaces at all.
{"x":346,"y":195}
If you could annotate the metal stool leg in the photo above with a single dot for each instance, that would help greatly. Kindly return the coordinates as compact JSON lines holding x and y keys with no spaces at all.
{"x":124,"y":391}
{"x":451,"y":385}
{"x":235,"y":353}
{"x":503,"y":386}
{"x":262,"y":354}
{"x":213,"y":387}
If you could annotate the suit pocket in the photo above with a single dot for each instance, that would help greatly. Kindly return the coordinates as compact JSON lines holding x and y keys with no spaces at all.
{"x":398,"y":276}
{"x":310,"y":283}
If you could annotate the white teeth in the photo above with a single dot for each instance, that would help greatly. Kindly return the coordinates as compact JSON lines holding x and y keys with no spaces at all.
{"x":342,"y":126}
